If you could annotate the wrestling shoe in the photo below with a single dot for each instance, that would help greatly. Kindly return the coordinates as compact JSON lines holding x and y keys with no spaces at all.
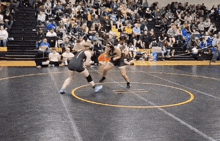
{"x":128,"y":85}
{"x":62,"y":91}
{"x":98,"y":88}
{"x":101,"y":80}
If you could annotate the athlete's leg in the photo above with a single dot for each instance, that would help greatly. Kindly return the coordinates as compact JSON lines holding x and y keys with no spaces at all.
{"x":124,"y":75}
{"x":67,"y":82}
{"x":90,"y":81}
{"x":88,"y":77}
{"x":107,"y":67}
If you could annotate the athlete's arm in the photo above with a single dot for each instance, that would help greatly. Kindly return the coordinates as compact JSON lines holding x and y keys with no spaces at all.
{"x":107,"y":49}
{"x":87,"y":58}
{"x":117,"y":55}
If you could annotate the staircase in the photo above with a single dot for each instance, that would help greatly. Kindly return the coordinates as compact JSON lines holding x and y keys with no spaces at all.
{"x":23,"y":34}
{"x":180,"y":53}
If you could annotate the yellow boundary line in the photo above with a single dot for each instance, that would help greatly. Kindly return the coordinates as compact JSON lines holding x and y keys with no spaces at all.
{"x":17,"y":63}
{"x":175,"y":63}
{"x":3,"y":49}
{"x":26,"y":75}
{"x":198,"y":76}
{"x":190,"y":75}
{"x":136,"y":107}
{"x":136,"y":63}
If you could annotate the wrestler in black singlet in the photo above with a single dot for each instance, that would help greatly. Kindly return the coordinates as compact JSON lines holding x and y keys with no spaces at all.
{"x":119,"y":62}
{"x":77,"y":62}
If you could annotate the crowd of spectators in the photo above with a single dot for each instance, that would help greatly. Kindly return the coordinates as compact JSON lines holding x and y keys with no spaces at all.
{"x":7,"y":12}
{"x":127,"y":23}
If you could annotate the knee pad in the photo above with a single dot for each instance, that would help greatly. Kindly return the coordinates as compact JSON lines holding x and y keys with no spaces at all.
{"x":89,"y":78}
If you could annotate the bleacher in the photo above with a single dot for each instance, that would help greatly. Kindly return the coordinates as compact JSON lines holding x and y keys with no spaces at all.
{"x":22,"y":36}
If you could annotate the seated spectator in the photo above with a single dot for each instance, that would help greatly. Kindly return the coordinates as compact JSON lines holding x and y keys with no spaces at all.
{"x":168,"y":49}
{"x":196,"y":42}
{"x":188,"y":18}
{"x":124,"y":10}
{"x":144,"y":24}
{"x":162,"y":38}
{"x":66,"y":43}
{"x":195,"y":33}
{"x":210,"y":40}
{"x":146,"y":41}
{"x":3,"y":36}
{"x":92,"y":33}
{"x":187,"y":43}
{"x":207,"y":24}
{"x":148,"y":14}
{"x":48,"y":6}
{"x":201,"y":26}
{"x":136,"y":33}
{"x":129,"y":31}
{"x":42,"y":53}
{"x":85,"y":29}
{"x":164,"y":24}
{"x":96,"y":23}
{"x":41,"y":18}
{"x":132,"y":50}
{"x":119,"y":25}
{"x":58,"y":8}
{"x":63,"y":2}
{"x":41,"y":34}
{"x":67,"y":55}
{"x":39,"y":5}
{"x":78,"y":46}
{"x":178,"y":23}
{"x":193,"y":43}
{"x":114,"y":6}
{"x":203,"y":43}
{"x":195,"y":52}
{"x":213,"y":29}
{"x":44,"y":46}
{"x":179,"y":36}
{"x":61,"y":30}
{"x":216,"y":49}
{"x":98,"y":49}
{"x":51,"y":25}
{"x":54,"y":58}
{"x":171,"y":33}
{"x":165,"y":49}
{"x":8,"y":19}
{"x":157,"y":16}
{"x":153,"y":39}
{"x":51,"y":33}
{"x":169,"y":15}
{"x":107,"y":24}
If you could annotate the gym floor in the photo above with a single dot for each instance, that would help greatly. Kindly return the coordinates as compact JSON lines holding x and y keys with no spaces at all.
{"x":164,"y":103}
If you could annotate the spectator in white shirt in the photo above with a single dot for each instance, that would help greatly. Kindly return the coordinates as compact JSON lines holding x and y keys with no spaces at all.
{"x":3,"y":36}
{"x":41,"y":17}
{"x":67,"y":55}
{"x":51,"y":33}
{"x":54,"y":58}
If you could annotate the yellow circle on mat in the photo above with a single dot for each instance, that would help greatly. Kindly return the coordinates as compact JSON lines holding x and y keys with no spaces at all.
{"x":137,"y":107}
